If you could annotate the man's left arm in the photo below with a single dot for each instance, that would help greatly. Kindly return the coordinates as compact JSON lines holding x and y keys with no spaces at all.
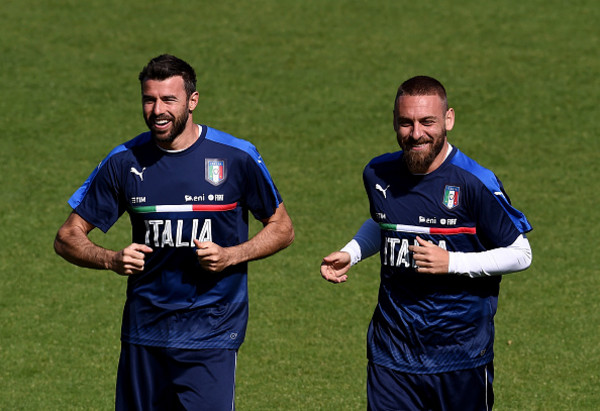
{"x":277,"y":233}
{"x":431,"y":259}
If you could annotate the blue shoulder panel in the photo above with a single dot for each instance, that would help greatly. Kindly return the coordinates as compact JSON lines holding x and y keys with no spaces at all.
{"x":489,"y":179}
{"x":243,"y":145}
{"x":81,"y":191}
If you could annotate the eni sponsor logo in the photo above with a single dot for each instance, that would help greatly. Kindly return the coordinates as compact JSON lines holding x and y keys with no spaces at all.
{"x":204,"y":197}
{"x":189,"y":198}
{"x":434,"y":220}
{"x":427,"y":220}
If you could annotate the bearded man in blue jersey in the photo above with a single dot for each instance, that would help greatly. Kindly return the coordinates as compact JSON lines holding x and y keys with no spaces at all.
{"x":188,"y":189}
{"x":446,"y":232}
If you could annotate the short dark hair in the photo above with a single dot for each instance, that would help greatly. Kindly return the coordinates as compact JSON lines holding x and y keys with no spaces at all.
{"x":166,"y":66}
{"x":421,"y":86}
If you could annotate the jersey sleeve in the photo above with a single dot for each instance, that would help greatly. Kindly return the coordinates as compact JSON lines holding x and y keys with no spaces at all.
{"x":81,"y":191}
{"x":100,"y":205}
{"x":262,"y":196}
{"x":497,"y":220}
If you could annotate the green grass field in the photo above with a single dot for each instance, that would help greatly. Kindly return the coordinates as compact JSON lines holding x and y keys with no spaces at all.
{"x":311,"y":84}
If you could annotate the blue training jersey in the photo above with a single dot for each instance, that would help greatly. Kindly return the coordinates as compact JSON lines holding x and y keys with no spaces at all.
{"x":172,"y":198}
{"x":425,"y":324}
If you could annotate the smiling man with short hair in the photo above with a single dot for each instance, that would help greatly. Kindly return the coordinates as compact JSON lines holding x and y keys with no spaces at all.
{"x":188,"y":189}
{"x":446,"y":232}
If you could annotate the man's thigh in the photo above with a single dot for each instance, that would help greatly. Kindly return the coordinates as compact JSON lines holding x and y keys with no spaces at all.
{"x":388,"y":389}
{"x":153,"y":378}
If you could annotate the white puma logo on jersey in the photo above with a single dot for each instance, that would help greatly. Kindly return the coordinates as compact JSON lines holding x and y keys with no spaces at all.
{"x":384,"y":191}
{"x":140,"y":174}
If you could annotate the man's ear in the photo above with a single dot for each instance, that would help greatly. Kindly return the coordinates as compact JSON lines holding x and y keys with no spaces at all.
{"x":449,"y":119}
{"x":193,"y":101}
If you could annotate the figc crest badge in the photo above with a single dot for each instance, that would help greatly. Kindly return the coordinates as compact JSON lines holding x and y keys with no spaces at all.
{"x":215,"y":170}
{"x":451,"y":197}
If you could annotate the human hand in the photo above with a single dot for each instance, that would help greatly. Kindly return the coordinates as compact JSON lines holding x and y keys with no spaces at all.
{"x":429,"y":258}
{"x":130,"y":260}
{"x":335,"y":266}
{"x":213,"y":257}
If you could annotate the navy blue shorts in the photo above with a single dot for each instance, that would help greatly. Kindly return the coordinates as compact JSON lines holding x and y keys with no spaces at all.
{"x":154,"y":378}
{"x":463,"y":390}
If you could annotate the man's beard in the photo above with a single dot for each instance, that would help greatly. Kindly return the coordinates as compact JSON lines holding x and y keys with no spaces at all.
{"x":176,"y":130}
{"x":419,"y":162}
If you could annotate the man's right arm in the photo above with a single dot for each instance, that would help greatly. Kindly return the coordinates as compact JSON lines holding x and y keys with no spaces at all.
{"x":73,"y":244}
{"x":366,"y":242}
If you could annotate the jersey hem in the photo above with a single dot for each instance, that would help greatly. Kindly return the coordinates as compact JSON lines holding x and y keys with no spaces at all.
{"x":182,"y":345}
{"x":438,"y":370}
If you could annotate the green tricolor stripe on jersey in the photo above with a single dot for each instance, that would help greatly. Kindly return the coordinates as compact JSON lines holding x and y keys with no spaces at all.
{"x":427,"y":230}
{"x":183,"y":208}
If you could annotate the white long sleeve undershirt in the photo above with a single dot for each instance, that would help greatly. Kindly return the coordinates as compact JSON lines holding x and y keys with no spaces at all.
{"x":497,"y":261}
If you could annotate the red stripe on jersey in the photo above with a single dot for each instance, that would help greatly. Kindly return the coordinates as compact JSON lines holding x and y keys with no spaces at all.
{"x":457,"y":230}
{"x":214,"y":207}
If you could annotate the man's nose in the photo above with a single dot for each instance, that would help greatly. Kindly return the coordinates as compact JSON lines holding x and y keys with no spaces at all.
{"x":417,"y":131}
{"x":157,"y":108}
